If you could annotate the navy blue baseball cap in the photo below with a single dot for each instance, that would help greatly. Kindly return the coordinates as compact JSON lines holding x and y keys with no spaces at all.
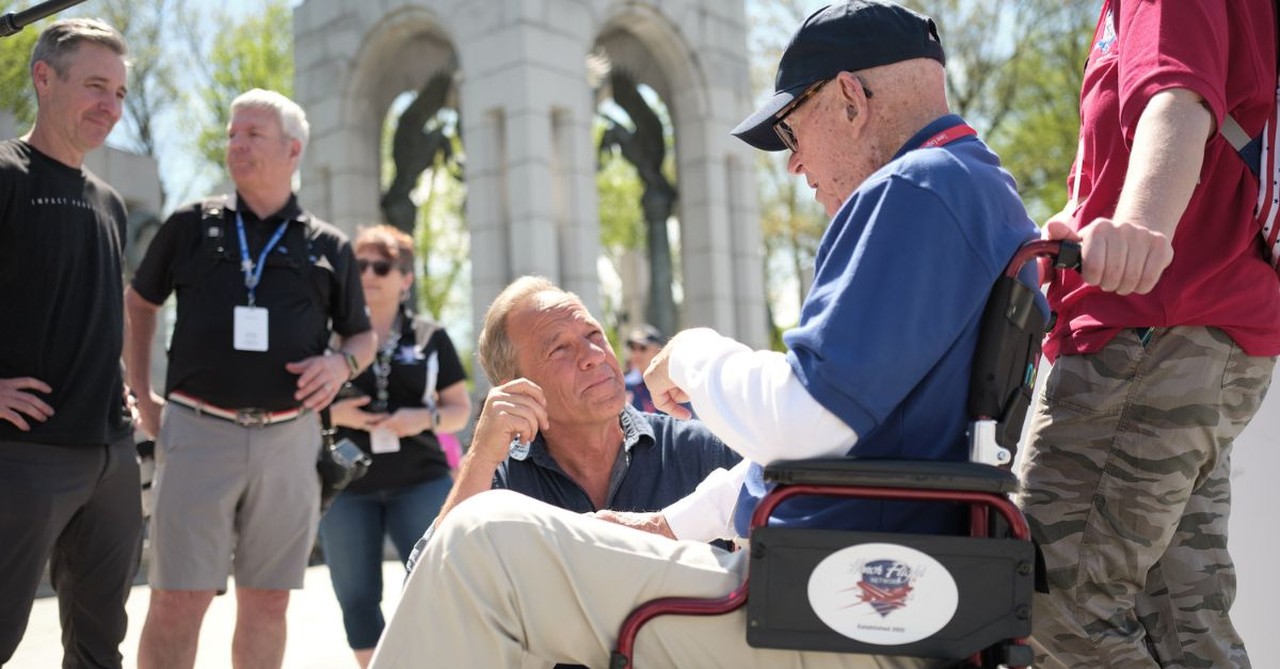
{"x":841,"y":37}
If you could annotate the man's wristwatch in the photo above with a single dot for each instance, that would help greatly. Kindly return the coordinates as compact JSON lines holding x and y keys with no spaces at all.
{"x":353,"y":365}
{"x":435,"y":419}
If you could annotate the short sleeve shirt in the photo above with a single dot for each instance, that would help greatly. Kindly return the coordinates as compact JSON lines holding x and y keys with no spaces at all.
{"x":1224,"y":52}
{"x":417,"y":370}
{"x":310,"y":286}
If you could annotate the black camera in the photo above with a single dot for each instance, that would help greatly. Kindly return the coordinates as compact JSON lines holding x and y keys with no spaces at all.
{"x":349,"y":456}
{"x":340,"y":463}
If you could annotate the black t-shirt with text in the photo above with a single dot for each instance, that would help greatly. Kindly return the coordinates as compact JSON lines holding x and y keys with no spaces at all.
{"x":62,"y":233}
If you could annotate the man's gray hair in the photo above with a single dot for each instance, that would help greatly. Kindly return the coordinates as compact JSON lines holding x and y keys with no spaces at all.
{"x":293,"y":121}
{"x":497,"y":354}
{"x":61,"y":39}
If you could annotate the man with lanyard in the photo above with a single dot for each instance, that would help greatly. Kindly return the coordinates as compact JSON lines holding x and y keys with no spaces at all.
{"x":258,"y":282}
{"x":923,"y":221}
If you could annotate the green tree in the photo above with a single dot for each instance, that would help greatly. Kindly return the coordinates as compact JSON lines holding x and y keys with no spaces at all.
{"x":17,"y":97}
{"x":1038,"y":140}
{"x":1014,"y":71}
{"x":622,"y":226}
{"x":254,"y":52}
{"x":621,"y":220}
{"x":791,"y":222}
{"x":153,"y":71}
{"x":636,"y":160}
{"x":442,"y":240}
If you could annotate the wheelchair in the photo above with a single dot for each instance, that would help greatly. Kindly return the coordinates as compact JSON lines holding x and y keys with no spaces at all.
{"x":966,"y":599}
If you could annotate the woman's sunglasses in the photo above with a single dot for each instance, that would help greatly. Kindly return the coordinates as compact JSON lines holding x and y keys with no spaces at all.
{"x":379,"y":267}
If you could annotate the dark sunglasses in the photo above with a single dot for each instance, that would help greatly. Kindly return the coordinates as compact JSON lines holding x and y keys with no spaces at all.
{"x":783,"y":129}
{"x":379,"y":267}
{"x":636,"y":346}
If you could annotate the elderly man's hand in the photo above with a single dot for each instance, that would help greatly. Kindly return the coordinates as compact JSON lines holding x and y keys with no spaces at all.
{"x":17,"y":405}
{"x":515,"y":409}
{"x":667,"y":396}
{"x":653,"y":522}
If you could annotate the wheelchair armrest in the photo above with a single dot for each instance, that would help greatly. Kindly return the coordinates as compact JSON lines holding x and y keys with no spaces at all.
{"x":912,"y":474}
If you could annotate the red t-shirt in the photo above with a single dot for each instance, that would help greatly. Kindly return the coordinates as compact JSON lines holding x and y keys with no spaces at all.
{"x":1218,"y":276}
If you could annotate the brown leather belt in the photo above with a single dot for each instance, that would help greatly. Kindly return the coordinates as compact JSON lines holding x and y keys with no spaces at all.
{"x":241,"y":417}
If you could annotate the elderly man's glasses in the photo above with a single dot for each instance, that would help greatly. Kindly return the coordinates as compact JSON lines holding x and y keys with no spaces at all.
{"x":783,"y":129}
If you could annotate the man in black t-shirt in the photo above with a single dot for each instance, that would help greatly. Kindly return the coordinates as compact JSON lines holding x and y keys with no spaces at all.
{"x":68,"y":477}
{"x":261,"y":284}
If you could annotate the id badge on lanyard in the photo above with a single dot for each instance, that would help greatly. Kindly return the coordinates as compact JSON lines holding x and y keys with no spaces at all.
{"x":250,"y":322}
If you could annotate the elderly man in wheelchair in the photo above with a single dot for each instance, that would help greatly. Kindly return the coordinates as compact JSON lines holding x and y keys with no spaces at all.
{"x":884,"y":387}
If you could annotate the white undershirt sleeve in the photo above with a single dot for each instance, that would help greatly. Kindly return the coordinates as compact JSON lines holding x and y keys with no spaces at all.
{"x":753,"y":401}
{"x":706,"y":513}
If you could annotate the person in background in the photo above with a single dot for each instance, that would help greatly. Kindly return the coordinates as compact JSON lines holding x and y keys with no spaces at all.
{"x":263,"y":289}
{"x":642,"y":345}
{"x":1164,"y":345}
{"x":394,"y":410}
{"x":69,"y":490}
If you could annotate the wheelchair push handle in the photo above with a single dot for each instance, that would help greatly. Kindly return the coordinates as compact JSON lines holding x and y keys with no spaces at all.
{"x":1065,"y":255}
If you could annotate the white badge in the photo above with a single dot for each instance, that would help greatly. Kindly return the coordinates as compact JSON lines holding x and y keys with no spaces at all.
{"x":251,"y":329}
{"x":384,"y":441}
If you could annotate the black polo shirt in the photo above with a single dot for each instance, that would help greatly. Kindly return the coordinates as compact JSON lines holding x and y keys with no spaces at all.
{"x":421,"y":365}
{"x":309,"y":285}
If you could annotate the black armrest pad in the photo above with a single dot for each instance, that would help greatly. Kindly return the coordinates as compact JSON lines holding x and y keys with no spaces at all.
{"x":914,"y":474}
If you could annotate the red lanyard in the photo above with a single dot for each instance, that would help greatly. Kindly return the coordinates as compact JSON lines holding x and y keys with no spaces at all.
{"x":949,"y":135}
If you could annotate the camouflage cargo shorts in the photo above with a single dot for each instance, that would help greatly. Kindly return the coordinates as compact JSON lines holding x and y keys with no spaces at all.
{"x":1126,"y":484}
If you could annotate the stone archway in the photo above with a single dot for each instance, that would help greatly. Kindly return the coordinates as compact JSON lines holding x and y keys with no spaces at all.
{"x":527,"y":107}
{"x":697,"y":80}
{"x":347,"y":90}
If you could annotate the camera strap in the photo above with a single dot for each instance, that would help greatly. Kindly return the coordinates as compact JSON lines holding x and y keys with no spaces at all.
{"x":326,"y":428}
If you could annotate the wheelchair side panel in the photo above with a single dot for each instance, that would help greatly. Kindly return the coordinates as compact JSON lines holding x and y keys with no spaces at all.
{"x":994,"y":579}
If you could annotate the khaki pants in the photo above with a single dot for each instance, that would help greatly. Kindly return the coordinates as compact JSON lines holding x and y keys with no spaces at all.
{"x":507,"y":581}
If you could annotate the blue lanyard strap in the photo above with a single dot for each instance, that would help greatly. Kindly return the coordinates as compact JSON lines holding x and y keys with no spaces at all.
{"x":253,"y":271}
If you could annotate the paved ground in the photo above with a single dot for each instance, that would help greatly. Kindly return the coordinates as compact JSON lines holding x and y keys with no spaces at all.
{"x":316,"y":638}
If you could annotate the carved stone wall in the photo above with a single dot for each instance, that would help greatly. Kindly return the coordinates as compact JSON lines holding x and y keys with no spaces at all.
{"x":526,"y":108}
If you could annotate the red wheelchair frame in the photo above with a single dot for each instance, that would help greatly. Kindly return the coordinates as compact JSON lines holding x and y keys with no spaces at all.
{"x":991,"y":633}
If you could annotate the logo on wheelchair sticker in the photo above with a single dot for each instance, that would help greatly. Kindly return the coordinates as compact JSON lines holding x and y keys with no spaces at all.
{"x":883,"y":594}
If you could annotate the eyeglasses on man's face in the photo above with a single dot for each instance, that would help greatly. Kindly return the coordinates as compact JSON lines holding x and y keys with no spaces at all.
{"x":784,"y":130}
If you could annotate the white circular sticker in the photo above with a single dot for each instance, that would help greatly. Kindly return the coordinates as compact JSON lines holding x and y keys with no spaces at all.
{"x":883,"y":594}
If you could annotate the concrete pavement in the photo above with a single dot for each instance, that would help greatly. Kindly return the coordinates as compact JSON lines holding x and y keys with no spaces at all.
{"x":316,"y":637}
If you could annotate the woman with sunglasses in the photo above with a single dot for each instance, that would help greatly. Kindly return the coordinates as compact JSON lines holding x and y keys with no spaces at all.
{"x":415,"y":388}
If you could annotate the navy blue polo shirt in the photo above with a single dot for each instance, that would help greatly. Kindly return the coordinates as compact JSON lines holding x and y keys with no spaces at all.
{"x":663,"y":459}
